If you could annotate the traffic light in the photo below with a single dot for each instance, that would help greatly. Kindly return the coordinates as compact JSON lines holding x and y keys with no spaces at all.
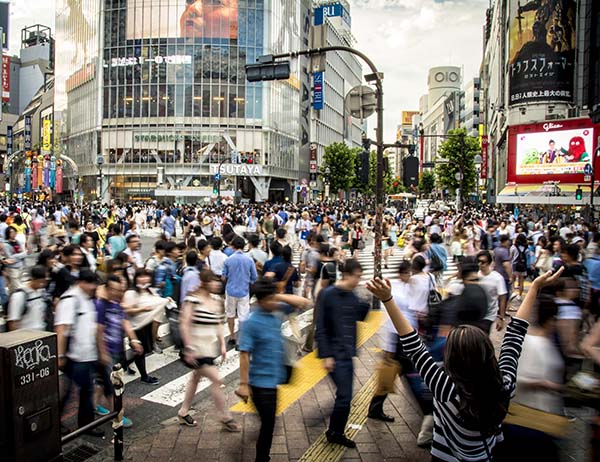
{"x":412,"y":149}
{"x":364,"y":167}
{"x":216,"y":188}
{"x":268,"y":71}
{"x":386,"y":165}
{"x":578,"y":194}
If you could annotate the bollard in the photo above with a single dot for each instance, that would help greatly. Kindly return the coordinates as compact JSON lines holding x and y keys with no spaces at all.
{"x":116,"y":377}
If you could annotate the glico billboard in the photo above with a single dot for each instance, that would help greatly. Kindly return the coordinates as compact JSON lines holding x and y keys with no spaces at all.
{"x":560,"y":150}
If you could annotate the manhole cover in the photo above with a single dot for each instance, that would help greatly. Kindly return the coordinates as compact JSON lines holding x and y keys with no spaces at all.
{"x":80,"y":453}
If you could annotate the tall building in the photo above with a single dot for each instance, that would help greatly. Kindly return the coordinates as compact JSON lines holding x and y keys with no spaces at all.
{"x":440,"y":109}
{"x":156,"y":99}
{"x":342,"y":72}
{"x":470,"y":106}
{"x":535,"y":99}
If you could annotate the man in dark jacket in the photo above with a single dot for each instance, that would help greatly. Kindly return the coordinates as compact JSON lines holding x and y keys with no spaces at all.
{"x":338,"y":311}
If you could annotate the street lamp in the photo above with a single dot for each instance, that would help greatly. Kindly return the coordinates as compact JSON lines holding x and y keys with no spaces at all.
{"x":100,"y":163}
{"x":477,"y":160}
{"x":327,"y":173}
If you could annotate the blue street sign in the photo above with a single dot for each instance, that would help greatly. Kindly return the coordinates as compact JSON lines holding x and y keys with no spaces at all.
{"x":587,"y":170}
{"x":318,"y":100}
{"x":217,"y":177}
{"x":331,"y":11}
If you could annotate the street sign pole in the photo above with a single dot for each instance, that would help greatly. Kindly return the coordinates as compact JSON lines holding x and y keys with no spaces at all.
{"x":593,"y":175}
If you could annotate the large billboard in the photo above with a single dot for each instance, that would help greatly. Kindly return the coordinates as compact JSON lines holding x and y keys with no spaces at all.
{"x":215,"y":19}
{"x":4,"y":21}
{"x":560,"y":150}
{"x":542,"y":50}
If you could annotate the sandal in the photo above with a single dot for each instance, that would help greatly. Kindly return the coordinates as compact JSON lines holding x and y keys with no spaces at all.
{"x":231,"y":426}
{"x":186,"y":420}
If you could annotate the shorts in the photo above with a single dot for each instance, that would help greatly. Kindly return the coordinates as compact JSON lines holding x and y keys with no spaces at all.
{"x":237,"y":306}
{"x":198,"y":362}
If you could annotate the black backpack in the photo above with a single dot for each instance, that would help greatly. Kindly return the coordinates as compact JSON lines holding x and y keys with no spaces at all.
{"x":521,"y":263}
{"x":172,"y":312}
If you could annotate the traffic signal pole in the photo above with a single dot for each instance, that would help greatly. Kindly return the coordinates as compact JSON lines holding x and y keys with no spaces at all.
{"x":375,"y":77}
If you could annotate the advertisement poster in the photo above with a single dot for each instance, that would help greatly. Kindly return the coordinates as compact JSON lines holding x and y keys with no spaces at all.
{"x":558,"y":151}
{"x":47,"y":135}
{"x":542,"y":50}
{"x":554,"y":153}
{"x":215,"y":19}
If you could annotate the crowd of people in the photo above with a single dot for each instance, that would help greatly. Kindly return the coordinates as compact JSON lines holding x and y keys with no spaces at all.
{"x":81,"y":272}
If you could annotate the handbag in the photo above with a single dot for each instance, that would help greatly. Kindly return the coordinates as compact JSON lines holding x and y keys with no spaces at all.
{"x":545,"y":422}
{"x":361,"y":244}
{"x":387,"y":369}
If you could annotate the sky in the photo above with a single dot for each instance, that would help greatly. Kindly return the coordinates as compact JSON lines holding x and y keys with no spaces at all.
{"x":404,"y":38}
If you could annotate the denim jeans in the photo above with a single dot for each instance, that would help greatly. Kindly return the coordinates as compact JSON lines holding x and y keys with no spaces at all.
{"x":342,"y":376}
{"x":82,"y":375}
{"x":265,"y":401}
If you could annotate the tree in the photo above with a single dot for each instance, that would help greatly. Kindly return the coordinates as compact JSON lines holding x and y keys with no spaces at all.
{"x":459,"y":150}
{"x":427,"y":182}
{"x":341,"y":161}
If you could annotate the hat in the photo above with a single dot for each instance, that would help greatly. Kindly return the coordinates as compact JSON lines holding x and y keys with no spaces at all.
{"x":207,"y":220}
{"x":577,"y":240}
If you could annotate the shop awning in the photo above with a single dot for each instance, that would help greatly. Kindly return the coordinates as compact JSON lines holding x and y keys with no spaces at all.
{"x":543,"y":194}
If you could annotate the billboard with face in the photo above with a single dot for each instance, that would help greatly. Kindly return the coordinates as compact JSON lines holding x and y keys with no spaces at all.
{"x":217,"y":19}
{"x":542,"y":50}
{"x":550,"y":151}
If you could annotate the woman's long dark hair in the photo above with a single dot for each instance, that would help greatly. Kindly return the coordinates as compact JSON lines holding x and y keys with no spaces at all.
{"x":471,"y":362}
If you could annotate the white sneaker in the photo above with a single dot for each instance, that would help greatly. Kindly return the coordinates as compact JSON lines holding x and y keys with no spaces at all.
{"x":425,"y":437}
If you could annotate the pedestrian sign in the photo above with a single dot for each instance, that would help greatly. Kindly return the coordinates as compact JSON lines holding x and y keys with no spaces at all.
{"x":587,"y":170}
{"x":217,"y":177}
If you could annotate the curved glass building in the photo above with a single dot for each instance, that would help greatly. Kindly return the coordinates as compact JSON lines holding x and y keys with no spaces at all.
{"x":152,"y":99}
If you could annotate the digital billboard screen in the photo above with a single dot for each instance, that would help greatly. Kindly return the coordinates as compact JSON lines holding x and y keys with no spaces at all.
{"x":551,"y":151}
{"x":214,"y":19}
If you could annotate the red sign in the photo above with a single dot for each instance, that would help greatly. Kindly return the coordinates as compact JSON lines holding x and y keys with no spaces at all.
{"x":484,"y":157}
{"x":557,"y":150}
{"x":5,"y":78}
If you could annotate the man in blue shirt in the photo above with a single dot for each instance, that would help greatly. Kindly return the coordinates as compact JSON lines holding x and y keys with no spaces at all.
{"x":239,"y":272}
{"x":262,"y":358}
{"x":168,"y":225}
{"x":592,"y":266}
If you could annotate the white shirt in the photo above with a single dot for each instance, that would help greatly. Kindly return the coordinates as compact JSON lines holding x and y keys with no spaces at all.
{"x":401,"y":294}
{"x":216,"y":261}
{"x":420,"y":284}
{"x":76,"y":310}
{"x":540,"y":360}
{"x":494,"y":286}
{"x":35,"y":300}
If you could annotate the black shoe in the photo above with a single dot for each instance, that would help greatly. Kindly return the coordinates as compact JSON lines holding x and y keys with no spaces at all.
{"x":130,"y":371}
{"x":340,"y":439}
{"x":381,"y":416}
{"x":231,"y":343}
{"x":150,"y":380}
{"x":96,"y":433}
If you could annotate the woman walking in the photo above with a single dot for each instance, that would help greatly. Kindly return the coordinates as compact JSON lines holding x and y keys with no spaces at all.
{"x":472,"y":391}
{"x":202,"y":318}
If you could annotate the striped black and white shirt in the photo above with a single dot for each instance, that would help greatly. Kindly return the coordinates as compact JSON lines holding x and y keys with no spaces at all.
{"x":452,"y":439}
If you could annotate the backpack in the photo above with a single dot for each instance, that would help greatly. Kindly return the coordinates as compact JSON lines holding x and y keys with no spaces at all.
{"x":435,"y":307}
{"x":435,"y":263}
{"x":521,"y":263}
{"x":172,"y":313}
{"x":48,"y":312}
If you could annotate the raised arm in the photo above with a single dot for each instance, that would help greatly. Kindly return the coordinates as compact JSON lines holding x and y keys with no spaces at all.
{"x":434,"y":376}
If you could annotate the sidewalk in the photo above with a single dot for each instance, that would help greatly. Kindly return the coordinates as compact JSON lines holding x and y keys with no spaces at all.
{"x":299,"y":430}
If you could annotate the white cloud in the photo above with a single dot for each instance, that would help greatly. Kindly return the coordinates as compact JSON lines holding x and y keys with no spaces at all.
{"x":405,"y":38}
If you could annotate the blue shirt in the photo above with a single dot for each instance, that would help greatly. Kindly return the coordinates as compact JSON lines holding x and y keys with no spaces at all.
{"x":189,"y":282}
{"x":270,"y":265}
{"x":111,"y":316}
{"x":592,"y":265}
{"x":240,"y":271}
{"x":261,"y":337}
{"x":168,"y":225}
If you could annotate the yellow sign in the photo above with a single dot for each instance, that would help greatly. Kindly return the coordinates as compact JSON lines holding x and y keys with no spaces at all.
{"x":47,"y":135}
{"x":407,"y":117}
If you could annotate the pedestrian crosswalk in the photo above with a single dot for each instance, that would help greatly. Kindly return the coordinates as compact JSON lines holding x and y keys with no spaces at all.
{"x":171,"y":392}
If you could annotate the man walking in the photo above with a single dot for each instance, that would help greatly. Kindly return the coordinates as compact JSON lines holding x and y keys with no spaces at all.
{"x":338,"y":311}
{"x":239,"y":272}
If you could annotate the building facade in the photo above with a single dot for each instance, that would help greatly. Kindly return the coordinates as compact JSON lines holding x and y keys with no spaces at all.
{"x":152,"y":102}
{"x":536,"y":101}
{"x":342,"y":72}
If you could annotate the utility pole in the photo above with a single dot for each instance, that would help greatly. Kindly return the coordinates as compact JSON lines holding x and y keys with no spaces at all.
{"x":268,"y":69}
{"x":594,"y":157}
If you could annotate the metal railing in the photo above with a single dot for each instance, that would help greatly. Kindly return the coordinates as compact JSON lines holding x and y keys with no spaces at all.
{"x":116,"y":378}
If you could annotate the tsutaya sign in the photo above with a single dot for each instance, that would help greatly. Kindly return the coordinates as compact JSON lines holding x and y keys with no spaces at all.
{"x":238,"y":169}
